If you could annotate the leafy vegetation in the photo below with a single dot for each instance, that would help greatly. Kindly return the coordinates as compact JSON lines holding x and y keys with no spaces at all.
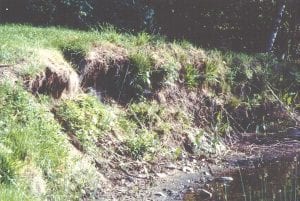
{"x":180,"y":100}
{"x":35,"y":156}
{"x":86,"y":118}
{"x":191,"y":76}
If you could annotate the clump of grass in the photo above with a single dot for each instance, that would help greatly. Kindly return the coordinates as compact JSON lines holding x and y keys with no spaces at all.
{"x":215,"y":72}
{"x":29,"y":134}
{"x":191,"y":77}
{"x":141,"y":142}
{"x":8,"y":169}
{"x":141,"y":71}
{"x":145,"y":113}
{"x":150,"y":127}
{"x":74,"y":50}
{"x":15,"y":193}
{"x":142,"y":38}
{"x":111,"y":34}
{"x":86,"y":118}
{"x":34,"y":151}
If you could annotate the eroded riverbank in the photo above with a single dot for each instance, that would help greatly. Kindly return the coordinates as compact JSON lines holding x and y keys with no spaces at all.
{"x":262,"y":167}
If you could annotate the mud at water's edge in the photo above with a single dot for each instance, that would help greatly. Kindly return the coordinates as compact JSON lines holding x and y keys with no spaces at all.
{"x":178,"y":185}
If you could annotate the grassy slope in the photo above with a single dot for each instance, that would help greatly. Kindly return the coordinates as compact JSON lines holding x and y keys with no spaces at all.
{"x":34,"y":147}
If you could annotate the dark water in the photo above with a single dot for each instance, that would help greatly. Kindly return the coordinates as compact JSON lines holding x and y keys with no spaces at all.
{"x":276,"y":180}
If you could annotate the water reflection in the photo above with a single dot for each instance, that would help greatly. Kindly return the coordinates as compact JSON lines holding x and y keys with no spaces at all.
{"x":272,"y":181}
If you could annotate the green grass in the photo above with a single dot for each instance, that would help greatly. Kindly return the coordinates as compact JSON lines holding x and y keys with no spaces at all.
{"x":87,"y":118}
{"x":192,"y":76}
{"x":231,"y":92}
{"x":32,"y":148}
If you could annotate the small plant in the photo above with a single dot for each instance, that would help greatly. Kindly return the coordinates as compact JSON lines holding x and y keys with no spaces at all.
{"x":142,"y":38}
{"x":215,"y":72}
{"x":191,"y":76}
{"x":141,"y":143}
{"x":150,"y":115}
{"x":74,"y":50}
{"x":111,"y":34}
{"x":146,"y":114}
{"x":86,"y":118}
{"x":141,"y":65}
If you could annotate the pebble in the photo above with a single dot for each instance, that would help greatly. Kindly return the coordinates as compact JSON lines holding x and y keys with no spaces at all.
{"x":160,"y":194}
{"x":187,"y":169}
{"x":161,"y":175}
{"x":207,"y":173}
{"x":204,"y":194}
{"x":171,"y":166}
{"x":223,"y":179}
{"x":293,"y":133}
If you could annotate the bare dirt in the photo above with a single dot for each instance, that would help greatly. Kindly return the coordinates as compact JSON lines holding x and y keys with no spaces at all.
{"x":129,"y":179}
{"x":171,"y":181}
{"x":57,"y":80}
{"x":247,"y":153}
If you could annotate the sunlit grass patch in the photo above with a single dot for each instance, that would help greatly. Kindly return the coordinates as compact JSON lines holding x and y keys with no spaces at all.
{"x":35,"y":154}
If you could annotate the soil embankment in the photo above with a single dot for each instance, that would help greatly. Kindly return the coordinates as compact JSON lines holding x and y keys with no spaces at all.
{"x":156,"y":120}
{"x":256,"y":159}
{"x":173,"y":145}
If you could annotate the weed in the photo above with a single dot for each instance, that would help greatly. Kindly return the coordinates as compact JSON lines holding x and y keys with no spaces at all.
{"x":141,"y":71}
{"x":191,"y":76}
{"x":86,"y":118}
{"x":141,"y":142}
{"x":74,"y":50}
{"x":146,"y":114}
{"x":142,"y":38}
{"x":215,"y":72}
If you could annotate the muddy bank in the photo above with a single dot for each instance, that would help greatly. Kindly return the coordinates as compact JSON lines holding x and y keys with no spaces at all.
{"x":155,"y":130}
{"x":246,"y":156}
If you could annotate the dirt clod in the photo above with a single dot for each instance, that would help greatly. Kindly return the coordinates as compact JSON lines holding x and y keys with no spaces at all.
{"x":57,"y":79}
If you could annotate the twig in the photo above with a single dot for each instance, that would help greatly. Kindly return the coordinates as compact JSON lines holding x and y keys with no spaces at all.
{"x":123,"y":83}
{"x":231,"y":117}
{"x":5,"y":65}
{"x":282,"y":104}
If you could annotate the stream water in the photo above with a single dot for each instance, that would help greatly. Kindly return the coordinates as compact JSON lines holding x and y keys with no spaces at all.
{"x":277,"y":180}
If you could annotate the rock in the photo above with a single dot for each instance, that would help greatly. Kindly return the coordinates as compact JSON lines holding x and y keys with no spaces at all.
{"x":223,"y":180}
{"x":161,"y":98}
{"x":207,"y":173}
{"x":171,"y":166}
{"x":187,"y":169}
{"x":160,"y":194}
{"x":203,"y":194}
{"x":293,"y":133}
{"x":161,"y":175}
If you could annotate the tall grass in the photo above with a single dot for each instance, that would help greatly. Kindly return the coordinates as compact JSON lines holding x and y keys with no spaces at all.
{"x":34,"y":155}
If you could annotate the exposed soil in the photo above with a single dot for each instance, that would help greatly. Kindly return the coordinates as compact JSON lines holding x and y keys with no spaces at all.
{"x":56,"y":80}
{"x":105,"y":70}
{"x":108,"y":71}
{"x":247,"y":153}
{"x":170,"y":181}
